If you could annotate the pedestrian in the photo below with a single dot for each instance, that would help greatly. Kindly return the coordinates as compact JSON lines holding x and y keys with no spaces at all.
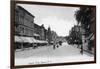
{"x":54,"y":46}
{"x":60,"y":43}
{"x":57,"y":45}
{"x":81,"y":50}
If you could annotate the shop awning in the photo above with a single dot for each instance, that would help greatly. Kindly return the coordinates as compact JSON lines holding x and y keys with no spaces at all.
{"x":36,"y":34}
{"x":44,"y":41}
{"x":27,"y":39}
{"x":92,"y":38}
{"x":17,"y":39}
{"x":34,"y":40}
{"x":41,"y":41}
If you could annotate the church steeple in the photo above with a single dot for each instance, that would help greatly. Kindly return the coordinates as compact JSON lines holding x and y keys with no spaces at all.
{"x":49,"y":35}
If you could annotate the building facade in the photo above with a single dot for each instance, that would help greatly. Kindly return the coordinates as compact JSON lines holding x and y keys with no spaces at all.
{"x":24,"y":22}
{"x":25,"y":26}
{"x":27,"y":30}
{"x":40,"y":31}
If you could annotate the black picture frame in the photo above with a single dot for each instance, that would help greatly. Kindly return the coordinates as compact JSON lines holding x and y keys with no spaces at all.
{"x":12,"y":56}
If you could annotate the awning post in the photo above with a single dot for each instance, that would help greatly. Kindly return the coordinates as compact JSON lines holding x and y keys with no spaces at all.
{"x":22,"y":47}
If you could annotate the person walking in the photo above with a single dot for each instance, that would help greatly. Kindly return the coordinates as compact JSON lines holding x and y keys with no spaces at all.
{"x":60,"y":43}
{"x":54,"y":44}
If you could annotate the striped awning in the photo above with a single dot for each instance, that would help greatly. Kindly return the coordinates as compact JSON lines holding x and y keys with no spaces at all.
{"x":33,"y":39}
{"x":17,"y":39}
{"x":36,"y":34}
{"x":92,"y":38}
{"x":28,"y":40}
{"x":41,"y":41}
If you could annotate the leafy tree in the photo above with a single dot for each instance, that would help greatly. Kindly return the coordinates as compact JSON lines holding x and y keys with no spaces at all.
{"x":84,"y":17}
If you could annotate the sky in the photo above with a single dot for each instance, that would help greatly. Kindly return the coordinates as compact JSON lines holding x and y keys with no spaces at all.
{"x":59,"y":19}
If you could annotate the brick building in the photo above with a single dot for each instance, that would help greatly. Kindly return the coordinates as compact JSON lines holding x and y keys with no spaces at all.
{"x":26,"y":31}
{"x":24,"y":22}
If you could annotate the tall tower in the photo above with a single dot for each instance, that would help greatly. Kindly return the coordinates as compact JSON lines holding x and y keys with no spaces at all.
{"x":49,"y":35}
{"x":42,"y":32}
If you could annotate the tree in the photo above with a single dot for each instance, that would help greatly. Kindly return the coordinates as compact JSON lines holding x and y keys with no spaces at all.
{"x":75,"y":35}
{"x":83,"y":17}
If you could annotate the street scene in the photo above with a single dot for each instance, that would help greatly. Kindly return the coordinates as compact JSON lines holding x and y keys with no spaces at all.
{"x":51,"y":34}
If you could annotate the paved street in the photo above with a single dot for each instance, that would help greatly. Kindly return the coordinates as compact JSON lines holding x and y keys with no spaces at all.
{"x":46,"y":54}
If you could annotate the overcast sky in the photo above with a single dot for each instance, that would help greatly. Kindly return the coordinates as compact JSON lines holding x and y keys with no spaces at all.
{"x":60,"y":19}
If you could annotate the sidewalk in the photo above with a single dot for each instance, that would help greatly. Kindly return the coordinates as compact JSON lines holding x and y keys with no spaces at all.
{"x":87,"y":51}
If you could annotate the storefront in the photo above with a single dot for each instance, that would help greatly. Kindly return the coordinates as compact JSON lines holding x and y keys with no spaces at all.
{"x":22,"y":42}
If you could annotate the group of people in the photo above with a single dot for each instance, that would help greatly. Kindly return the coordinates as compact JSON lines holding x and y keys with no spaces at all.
{"x":57,"y":44}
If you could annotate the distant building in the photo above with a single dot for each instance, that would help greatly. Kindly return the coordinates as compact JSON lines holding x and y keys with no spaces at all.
{"x":54,"y":35}
{"x":49,"y":36}
{"x":40,"y":31}
{"x":37,"y":30}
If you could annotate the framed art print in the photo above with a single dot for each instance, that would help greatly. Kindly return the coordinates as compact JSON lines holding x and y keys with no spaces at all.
{"x":51,"y":34}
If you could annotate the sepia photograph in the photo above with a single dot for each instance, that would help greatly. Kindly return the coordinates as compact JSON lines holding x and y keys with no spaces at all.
{"x":50,"y":34}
